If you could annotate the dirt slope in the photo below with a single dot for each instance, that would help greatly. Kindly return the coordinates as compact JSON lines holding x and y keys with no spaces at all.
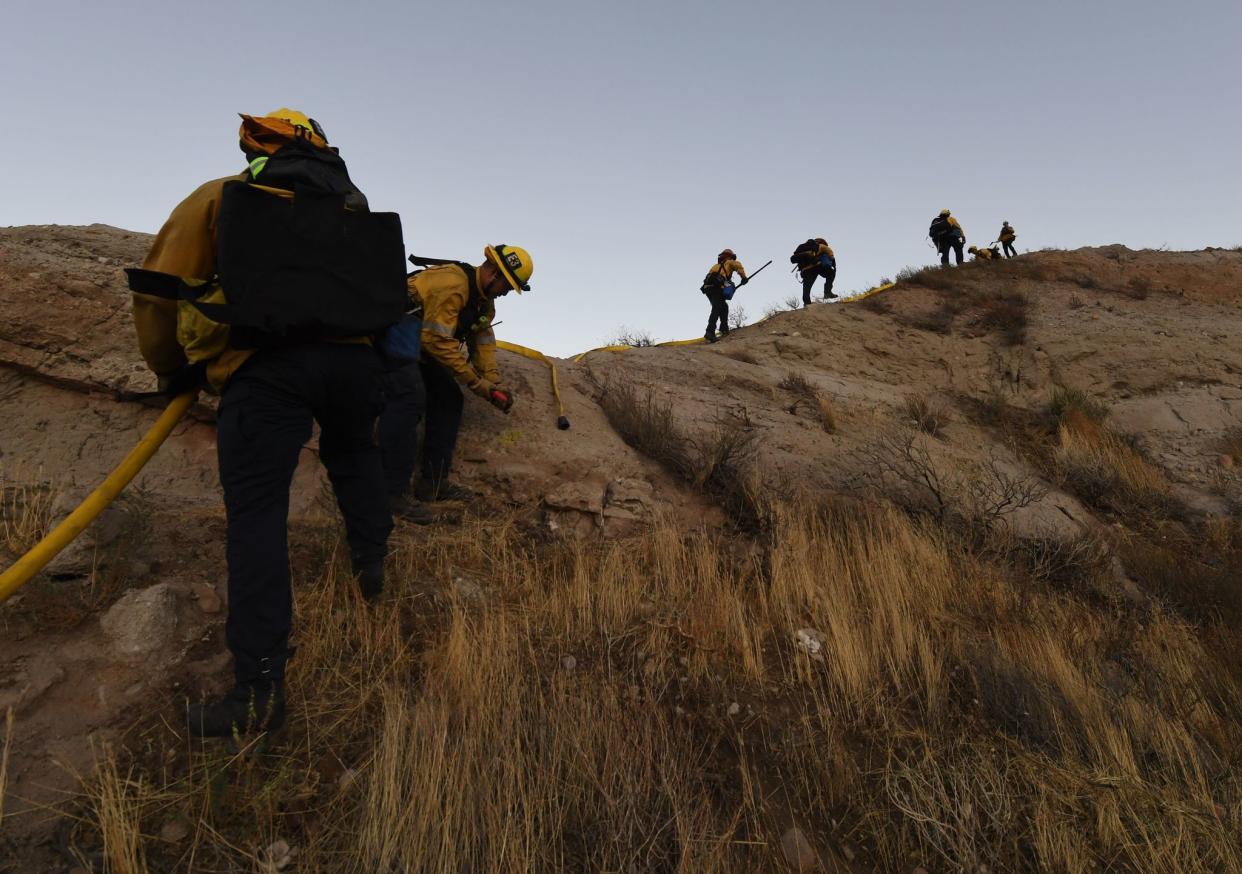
{"x":1153,"y":335}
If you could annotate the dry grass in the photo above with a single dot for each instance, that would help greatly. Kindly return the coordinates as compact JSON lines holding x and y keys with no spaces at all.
{"x":116,"y":804}
{"x":927,"y":415}
{"x":1067,"y":401}
{"x":4,"y":758}
{"x":1103,"y":468}
{"x":947,"y":718}
{"x":807,"y":396}
{"x":25,"y":511}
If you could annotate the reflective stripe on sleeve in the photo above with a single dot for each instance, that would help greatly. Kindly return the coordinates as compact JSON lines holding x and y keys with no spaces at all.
{"x":437,"y":328}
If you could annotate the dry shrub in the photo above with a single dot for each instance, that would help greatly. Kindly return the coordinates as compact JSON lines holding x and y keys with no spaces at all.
{"x":807,"y":396}
{"x":927,"y":415}
{"x":1006,"y":314}
{"x":1103,"y":468}
{"x":631,"y":337}
{"x":720,"y":460}
{"x":934,"y":277}
{"x":970,"y":499}
{"x":1067,"y":400}
{"x":1139,"y":288}
{"x":1076,"y":302}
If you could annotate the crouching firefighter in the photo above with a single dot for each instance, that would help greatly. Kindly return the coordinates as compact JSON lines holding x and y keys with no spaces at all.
{"x":456,"y":303}
{"x":814,"y":259}
{"x":267,"y":287}
{"x":718,"y":286}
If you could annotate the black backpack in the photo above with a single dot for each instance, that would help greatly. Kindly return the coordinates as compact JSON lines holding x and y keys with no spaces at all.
{"x":939,"y":228}
{"x":317,"y":266}
{"x":806,"y":254}
{"x":714,"y":281}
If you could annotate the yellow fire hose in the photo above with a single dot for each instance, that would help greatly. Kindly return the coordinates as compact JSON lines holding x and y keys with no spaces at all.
{"x":96,"y":502}
{"x":562,"y":421}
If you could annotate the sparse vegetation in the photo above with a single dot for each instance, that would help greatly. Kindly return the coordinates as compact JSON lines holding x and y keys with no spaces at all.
{"x":631,"y":337}
{"x":1006,"y":313}
{"x":926,"y":415}
{"x":968,"y":499}
{"x":1139,"y":288}
{"x":789,"y":304}
{"x":1076,"y":302}
{"x":807,"y":396}
{"x":718,"y":461}
{"x":1068,"y":401}
{"x":737,"y":317}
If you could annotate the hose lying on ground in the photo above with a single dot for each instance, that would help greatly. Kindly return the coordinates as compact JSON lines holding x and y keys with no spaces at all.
{"x":96,"y":502}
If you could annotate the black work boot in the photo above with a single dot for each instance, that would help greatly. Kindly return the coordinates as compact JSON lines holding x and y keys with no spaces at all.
{"x":405,"y":507}
{"x":431,"y":491}
{"x":371,"y":580}
{"x":710,"y":336}
{"x":248,"y":708}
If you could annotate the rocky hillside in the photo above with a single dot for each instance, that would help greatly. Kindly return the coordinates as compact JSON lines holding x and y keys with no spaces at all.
{"x":1056,"y":400}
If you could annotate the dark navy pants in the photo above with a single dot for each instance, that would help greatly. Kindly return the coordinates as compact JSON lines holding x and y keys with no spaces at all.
{"x":265,"y":419}
{"x":414,"y":392}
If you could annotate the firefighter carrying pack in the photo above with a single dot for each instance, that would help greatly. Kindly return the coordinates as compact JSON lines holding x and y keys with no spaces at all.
{"x":314,"y":265}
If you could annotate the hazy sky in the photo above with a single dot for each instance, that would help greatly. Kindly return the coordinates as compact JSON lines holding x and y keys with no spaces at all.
{"x":626,"y":143}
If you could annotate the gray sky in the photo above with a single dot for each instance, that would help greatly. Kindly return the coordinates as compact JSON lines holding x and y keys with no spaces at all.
{"x":625,"y":144}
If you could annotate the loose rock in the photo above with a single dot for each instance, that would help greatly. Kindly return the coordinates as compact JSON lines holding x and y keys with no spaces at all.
{"x":142,"y":622}
{"x":799,"y":852}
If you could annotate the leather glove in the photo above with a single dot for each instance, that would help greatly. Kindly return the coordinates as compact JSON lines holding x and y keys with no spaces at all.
{"x":482,"y":388}
{"x":501,"y":399}
{"x":744,"y":281}
{"x":188,"y":377}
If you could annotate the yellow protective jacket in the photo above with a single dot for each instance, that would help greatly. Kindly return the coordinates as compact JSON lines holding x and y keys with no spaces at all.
{"x":728,"y":268}
{"x":1007,"y":234}
{"x":953,"y":223}
{"x":444,"y":293}
{"x":172,"y":333}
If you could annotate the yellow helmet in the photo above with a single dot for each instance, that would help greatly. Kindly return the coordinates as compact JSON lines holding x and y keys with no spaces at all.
{"x":513,"y":262}
{"x":944,"y":212}
{"x":298,"y":119}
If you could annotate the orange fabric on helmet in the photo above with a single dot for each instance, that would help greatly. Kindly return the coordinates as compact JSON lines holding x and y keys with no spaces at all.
{"x":266,"y":135}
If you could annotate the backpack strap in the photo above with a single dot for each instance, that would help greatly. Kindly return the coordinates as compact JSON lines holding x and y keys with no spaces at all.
{"x":165,"y":285}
